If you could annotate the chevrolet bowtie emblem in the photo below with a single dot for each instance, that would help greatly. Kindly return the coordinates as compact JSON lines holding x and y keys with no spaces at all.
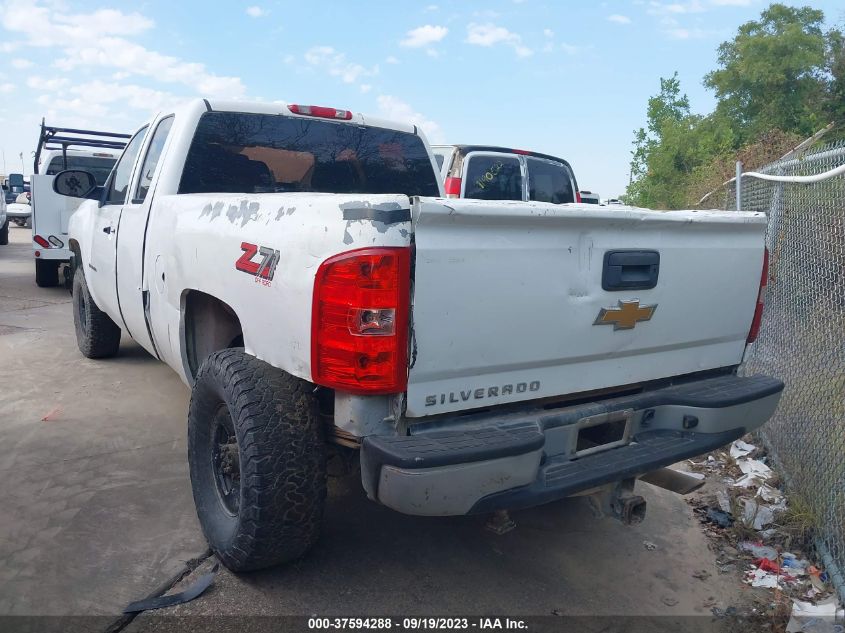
{"x":626,"y":316}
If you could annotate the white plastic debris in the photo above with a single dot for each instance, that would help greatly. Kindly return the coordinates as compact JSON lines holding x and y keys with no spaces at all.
{"x":757,"y":515}
{"x":754,"y":472}
{"x":767,"y":493}
{"x":815,"y":618}
{"x":760,"y":578}
{"x":724,"y":501}
{"x":758,"y":550}
{"x":741,"y":449}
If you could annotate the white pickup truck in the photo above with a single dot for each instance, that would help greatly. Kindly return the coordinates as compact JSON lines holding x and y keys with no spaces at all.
{"x":301,"y":271}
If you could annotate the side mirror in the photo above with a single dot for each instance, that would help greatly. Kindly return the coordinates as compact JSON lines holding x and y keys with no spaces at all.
{"x":74,"y":183}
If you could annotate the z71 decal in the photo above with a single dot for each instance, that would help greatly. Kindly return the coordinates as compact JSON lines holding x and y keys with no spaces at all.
{"x":262,"y":270}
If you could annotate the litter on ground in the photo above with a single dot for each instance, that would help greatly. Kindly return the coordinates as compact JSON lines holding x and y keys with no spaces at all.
{"x":741,"y":449}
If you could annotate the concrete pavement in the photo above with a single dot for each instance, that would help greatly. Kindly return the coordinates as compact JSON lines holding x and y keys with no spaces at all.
{"x":97,"y":508}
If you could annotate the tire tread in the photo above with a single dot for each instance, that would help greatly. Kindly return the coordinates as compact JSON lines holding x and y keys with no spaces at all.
{"x":282,"y":459}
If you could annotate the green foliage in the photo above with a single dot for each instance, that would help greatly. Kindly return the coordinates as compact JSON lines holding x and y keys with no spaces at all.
{"x":772,"y":73}
{"x":836,"y":90}
{"x":781,"y":78}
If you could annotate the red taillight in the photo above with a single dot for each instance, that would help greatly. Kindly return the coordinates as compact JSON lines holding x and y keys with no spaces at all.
{"x":320,"y":111}
{"x":359,"y":321}
{"x":577,"y":196}
{"x":41,"y":241}
{"x":761,"y":298}
{"x":452,"y":187}
{"x":523,"y":152}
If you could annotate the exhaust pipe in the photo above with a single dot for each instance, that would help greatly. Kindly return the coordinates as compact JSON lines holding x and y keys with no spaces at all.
{"x":674,"y":480}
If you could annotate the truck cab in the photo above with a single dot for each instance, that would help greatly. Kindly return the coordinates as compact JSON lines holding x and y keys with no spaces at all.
{"x":486,"y":172}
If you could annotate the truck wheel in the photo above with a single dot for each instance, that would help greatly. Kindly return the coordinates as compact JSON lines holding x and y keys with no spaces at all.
{"x":4,"y":233}
{"x":46,"y":273}
{"x":257,"y":461}
{"x":97,"y":336}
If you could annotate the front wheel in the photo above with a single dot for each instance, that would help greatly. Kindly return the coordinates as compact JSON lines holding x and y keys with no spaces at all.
{"x":257,"y":461}
{"x":97,"y":336}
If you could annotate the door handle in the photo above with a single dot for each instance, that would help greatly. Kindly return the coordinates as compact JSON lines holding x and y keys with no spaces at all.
{"x":107,"y":230}
{"x":630,"y":270}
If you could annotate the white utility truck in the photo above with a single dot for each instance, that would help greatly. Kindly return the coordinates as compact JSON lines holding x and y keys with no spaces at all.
{"x":94,"y":152}
{"x":299,"y":268}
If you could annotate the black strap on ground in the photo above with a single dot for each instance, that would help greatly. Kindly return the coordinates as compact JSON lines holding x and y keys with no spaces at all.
{"x":194,"y":591}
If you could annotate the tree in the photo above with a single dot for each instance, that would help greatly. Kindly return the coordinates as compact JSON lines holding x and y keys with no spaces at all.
{"x":668,"y":105}
{"x":836,"y":99}
{"x":772,"y":75}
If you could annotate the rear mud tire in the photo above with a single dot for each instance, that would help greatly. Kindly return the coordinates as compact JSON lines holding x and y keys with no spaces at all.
{"x":257,"y":460}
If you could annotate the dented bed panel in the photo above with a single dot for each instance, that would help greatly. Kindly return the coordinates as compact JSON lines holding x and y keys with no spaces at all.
{"x":509,"y":305}
{"x":259,"y":254}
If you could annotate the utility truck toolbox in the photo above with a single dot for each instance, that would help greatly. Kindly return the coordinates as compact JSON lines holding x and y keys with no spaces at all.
{"x":302,"y":272}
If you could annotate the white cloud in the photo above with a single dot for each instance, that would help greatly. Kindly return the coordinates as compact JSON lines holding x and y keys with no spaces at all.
{"x":47,"y":84}
{"x":619,"y":19}
{"x":732,"y":3}
{"x":391,"y":60}
{"x":548,"y":33}
{"x":99,"y":39}
{"x":431,"y":8}
{"x":335,"y":64}
{"x":391,"y":107}
{"x":6,"y":88}
{"x":255,"y":12}
{"x":681,"y":33}
{"x":365,"y":88}
{"x":490,"y":35}
{"x":675,"y":8}
{"x":21,"y":64}
{"x":424,"y":36}
{"x":668,"y":20}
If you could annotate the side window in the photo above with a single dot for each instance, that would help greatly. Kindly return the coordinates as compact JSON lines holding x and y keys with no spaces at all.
{"x":123,"y":170}
{"x":549,"y":182}
{"x":493,"y":178}
{"x":148,"y":167}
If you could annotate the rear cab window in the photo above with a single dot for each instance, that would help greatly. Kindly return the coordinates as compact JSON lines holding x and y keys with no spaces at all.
{"x":492,"y":176}
{"x":443,"y":156}
{"x":100,"y":166}
{"x":549,"y":181}
{"x":234,"y":152}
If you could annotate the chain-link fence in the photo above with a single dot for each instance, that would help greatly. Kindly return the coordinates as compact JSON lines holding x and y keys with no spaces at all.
{"x":803,"y":336}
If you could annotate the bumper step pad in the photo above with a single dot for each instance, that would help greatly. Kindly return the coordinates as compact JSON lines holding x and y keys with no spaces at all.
{"x":560,"y":477}
{"x":454,"y":447}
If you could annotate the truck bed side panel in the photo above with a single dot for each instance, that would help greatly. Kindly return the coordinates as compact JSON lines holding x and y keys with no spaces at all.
{"x":199,"y":239}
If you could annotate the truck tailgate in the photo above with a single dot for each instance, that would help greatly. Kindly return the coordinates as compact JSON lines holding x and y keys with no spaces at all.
{"x":508,"y":299}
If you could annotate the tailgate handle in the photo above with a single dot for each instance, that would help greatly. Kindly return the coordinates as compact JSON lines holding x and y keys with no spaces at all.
{"x":630,"y":270}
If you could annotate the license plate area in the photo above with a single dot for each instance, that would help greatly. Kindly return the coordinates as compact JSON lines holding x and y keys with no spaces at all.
{"x":601,"y":432}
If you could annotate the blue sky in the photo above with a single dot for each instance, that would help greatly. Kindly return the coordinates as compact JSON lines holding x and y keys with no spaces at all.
{"x":562,"y":77}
